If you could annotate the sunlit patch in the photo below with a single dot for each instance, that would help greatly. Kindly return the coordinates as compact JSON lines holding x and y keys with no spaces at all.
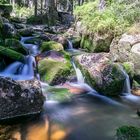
{"x":16,"y":136}
{"x":38,"y":132}
{"x":57,"y":133}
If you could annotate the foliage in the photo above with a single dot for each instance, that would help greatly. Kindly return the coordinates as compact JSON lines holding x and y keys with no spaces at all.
{"x":22,"y":12}
{"x":128,"y":133}
{"x":3,"y":2}
{"x":116,"y":17}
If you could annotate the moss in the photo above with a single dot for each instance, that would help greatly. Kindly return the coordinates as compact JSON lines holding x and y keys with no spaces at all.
{"x":54,"y":71}
{"x":11,"y":54}
{"x":108,"y":21}
{"x":129,"y":68}
{"x":86,"y":43}
{"x":76,"y":42}
{"x":51,"y":45}
{"x":128,"y":133}
{"x":16,"y":46}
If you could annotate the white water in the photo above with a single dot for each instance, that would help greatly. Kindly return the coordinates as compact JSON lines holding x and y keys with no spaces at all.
{"x":79,"y":75}
{"x":33,"y":49}
{"x":70,"y":45}
{"x":128,"y":96}
{"x":26,"y":70}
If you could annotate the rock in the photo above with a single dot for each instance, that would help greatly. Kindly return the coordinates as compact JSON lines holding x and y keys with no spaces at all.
{"x":128,"y":133}
{"x":5,"y":20}
{"x":62,"y":40}
{"x":93,"y":42}
{"x":8,"y":30}
{"x":128,"y":38}
{"x":16,"y":46}
{"x":6,"y":9}
{"x":19,"y":26}
{"x":96,"y":42}
{"x":51,"y":45}
{"x":127,"y":49}
{"x":26,"y":32}
{"x":19,"y":98}
{"x":18,"y":20}
{"x":54,"y":69}
{"x":100,"y":73}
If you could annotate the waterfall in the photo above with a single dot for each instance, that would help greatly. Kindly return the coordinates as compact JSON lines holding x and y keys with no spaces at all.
{"x":33,"y":49}
{"x":70,"y":45}
{"x":127,"y":87}
{"x":79,"y":75}
{"x":12,"y":68}
{"x":20,"y":71}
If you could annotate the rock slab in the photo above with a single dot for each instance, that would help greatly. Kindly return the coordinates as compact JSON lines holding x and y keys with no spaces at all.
{"x":19,"y":98}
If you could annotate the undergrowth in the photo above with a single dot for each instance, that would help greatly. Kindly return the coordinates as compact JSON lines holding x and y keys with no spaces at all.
{"x":115,"y":18}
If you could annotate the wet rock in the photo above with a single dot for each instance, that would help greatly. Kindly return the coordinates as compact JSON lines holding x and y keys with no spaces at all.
{"x":8,"y":30}
{"x":19,"y":98}
{"x":54,"y":69}
{"x":26,"y":32}
{"x":100,"y":73}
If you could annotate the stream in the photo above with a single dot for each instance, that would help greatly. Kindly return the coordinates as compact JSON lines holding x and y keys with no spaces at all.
{"x":89,"y":116}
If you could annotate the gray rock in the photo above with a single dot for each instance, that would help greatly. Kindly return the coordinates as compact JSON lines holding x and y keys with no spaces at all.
{"x":19,"y":98}
{"x":100,"y":73}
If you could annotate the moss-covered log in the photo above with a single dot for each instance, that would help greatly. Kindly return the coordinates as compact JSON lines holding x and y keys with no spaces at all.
{"x":12,"y":54}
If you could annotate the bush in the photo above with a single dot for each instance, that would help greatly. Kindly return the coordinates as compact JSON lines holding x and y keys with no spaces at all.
{"x":115,"y":19}
{"x":22,"y":12}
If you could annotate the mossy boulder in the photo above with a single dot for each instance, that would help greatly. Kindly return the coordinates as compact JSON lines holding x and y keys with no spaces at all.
{"x":54,"y":70}
{"x":128,"y":133}
{"x":16,"y":46}
{"x":51,"y":45}
{"x":96,"y":42}
{"x":100,"y":73}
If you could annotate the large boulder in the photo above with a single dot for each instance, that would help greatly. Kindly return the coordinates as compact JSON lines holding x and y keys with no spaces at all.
{"x":100,"y":73}
{"x":93,"y":42}
{"x":19,"y":98}
{"x":54,"y":68}
{"x":127,"y":49}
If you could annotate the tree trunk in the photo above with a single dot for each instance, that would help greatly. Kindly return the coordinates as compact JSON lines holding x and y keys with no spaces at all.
{"x":52,"y":12}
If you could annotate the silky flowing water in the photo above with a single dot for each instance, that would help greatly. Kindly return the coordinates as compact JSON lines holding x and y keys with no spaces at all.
{"x":88,"y":116}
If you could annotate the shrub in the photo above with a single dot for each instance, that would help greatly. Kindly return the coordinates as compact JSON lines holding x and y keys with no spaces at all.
{"x":115,"y":19}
